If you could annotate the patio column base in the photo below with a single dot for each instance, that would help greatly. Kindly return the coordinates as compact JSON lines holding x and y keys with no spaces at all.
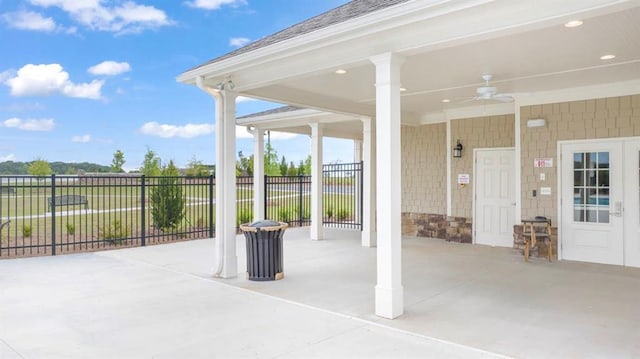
{"x":389,"y":302}
{"x":230,"y":269}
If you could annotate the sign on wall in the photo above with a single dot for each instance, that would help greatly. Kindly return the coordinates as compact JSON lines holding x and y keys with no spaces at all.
{"x":463,"y":178}
{"x":543,"y":162}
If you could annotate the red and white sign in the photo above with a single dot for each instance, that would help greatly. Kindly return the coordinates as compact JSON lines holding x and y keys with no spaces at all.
{"x":543,"y":162}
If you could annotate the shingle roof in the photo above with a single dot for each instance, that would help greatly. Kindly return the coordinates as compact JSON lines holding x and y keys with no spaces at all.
{"x":340,"y":14}
{"x":274,"y":111}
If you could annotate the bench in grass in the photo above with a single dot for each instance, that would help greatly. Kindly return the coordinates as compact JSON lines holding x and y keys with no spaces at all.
{"x":69,"y":200}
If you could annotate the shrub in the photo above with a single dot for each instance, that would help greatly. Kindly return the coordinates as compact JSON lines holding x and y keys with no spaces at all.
{"x":329,"y":212}
{"x":26,"y":230}
{"x":167,"y":200}
{"x":114,"y":232}
{"x":284,"y":215}
{"x":244,"y":216}
{"x":71,"y":229}
{"x":343,"y":214}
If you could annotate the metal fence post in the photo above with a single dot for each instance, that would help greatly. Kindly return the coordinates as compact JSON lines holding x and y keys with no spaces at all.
{"x":211,"y":191}
{"x":266,"y":178}
{"x":361,"y":186}
{"x":53,"y":214}
{"x":143,"y":212}
{"x":300,"y":200}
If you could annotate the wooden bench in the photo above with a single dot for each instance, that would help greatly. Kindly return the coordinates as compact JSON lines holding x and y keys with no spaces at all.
{"x":531,"y":237}
{"x":69,"y":200}
{"x":7,"y":190}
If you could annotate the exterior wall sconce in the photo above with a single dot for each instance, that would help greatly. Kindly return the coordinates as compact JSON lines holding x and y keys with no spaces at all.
{"x":457,"y":150}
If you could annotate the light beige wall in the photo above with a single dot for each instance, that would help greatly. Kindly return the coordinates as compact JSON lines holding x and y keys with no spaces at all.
{"x":480,"y":132}
{"x":424,"y":169}
{"x":590,"y":119}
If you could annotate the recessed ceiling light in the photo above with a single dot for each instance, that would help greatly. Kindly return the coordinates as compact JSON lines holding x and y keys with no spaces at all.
{"x":341,"y":71}
{"x":403,"y":89}
{"x":446,"y":100}
{"x":573,"y":23}
{"x":607,"y":57}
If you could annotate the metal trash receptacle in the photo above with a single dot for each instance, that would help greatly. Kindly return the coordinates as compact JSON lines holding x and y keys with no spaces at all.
{"x":264,"y":249}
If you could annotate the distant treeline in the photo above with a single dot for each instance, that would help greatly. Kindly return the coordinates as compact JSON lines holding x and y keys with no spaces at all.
{"x":20,"y":168}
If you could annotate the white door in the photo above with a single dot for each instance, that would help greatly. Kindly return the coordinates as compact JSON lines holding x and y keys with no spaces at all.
{"x":600,"y":202}
{"x":494,"y":197}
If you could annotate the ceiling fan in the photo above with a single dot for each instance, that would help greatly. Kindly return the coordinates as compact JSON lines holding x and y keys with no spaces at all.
{"x":487,"y":92}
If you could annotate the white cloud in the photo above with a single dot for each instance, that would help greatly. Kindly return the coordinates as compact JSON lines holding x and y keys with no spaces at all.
{"x":81,"y":139}
{"x":242,"y":133}
{"x":214,"y":4}
{"x":9,"y":157}
{"x":126,"y":17}
{"x":109,"y":68}
{"x":168,"y":131}
{"x":43,"y":80}
{"x":29,"y":20}
{"x":44,"y":124}
{"x":238,"y":41}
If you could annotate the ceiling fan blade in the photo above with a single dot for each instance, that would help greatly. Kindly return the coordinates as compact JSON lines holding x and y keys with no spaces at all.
{"x":470,"y":99}
{"x":502,"y":98}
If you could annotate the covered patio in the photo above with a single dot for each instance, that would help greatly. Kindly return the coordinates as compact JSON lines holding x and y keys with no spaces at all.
{"x":460,"y":301}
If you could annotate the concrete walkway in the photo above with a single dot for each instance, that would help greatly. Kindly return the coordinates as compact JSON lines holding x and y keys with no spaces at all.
{"x":160,"y":302}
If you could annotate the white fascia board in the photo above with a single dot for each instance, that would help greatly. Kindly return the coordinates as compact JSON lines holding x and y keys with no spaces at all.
{"x":295,"y":118}
{"x":614,"y":89}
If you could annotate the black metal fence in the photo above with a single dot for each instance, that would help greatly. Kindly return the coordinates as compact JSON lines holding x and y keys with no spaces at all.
{"x":66,"y":214}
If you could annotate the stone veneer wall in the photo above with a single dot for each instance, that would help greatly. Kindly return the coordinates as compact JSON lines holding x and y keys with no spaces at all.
{"x":589,"y":119}
{"x":424,"y":169}
{"x":455,"y":229}
{"x":480,"y":132}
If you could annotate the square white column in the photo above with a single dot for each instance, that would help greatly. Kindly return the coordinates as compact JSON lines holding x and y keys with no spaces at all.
{"x":369,"y":184}
{"x":389,"y":291}
{"x":317,"y":232}
{"x":228,"y":206}
{"x":258,"y":174}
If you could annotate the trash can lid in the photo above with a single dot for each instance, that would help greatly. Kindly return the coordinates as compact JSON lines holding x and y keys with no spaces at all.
{"x":264,"y":223}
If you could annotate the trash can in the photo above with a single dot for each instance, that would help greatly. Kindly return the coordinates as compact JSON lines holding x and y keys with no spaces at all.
{"x":264,"y":249}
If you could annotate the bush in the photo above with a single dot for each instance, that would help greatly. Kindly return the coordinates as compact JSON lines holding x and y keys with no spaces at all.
{"x":114,"y":232}
{"x":329,"y":212}
{"x":284,"y":215}
{"x":71,"y":229}
{"x":343,"y":214}
{"x":26,"y":230}
{"x":168,"y":204}
{"x":244,"y":216}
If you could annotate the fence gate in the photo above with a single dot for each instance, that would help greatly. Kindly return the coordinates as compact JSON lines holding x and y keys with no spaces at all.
{"x":288,"y":198}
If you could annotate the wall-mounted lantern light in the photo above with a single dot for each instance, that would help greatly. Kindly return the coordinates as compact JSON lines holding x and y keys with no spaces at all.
{"x":457,"y":150}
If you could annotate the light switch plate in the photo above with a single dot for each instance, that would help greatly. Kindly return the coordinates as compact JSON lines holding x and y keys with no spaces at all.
{"x":543,"y":177}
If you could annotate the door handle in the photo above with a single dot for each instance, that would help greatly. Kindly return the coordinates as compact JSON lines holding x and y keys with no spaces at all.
{"x":617,"y":209}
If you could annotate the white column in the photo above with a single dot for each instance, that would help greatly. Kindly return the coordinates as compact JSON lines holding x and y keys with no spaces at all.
{"x":357,"y":150}
{"x":389,"y":291}
{"x":448,"y":154}
{"x":369,"y":184}
{"x":258,"y":174}
{"x":518,"y":164}
{"x":228,"y":206}
{"x":317,"y":232}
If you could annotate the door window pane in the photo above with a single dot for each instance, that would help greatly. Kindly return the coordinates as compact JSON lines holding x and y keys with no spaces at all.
{"x":591,"y":187}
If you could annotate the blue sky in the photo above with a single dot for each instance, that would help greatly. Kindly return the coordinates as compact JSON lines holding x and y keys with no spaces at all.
{"x":82,"y":79}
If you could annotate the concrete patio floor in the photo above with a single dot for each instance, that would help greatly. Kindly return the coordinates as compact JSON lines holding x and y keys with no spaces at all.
{"x":460,"y":301}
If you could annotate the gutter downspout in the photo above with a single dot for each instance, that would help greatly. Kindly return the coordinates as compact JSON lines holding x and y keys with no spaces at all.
{"x":219,"y":146}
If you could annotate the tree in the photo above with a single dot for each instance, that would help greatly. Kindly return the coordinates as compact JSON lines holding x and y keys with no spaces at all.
{"x":151,"y":164}
{"x":271,"y":165}
{"x":292,"y":170}
{"x":283,"y":167}
{"x":117,"y":162}
{"x":39,"y":167}
{"x":167,"y":200}
{"x":306,"y":170}
{"x":195,"y":168}
{"x":244,"y":165}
